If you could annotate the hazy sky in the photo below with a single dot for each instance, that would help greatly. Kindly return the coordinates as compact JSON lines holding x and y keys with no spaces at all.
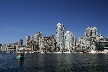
{"x":19,"y":18}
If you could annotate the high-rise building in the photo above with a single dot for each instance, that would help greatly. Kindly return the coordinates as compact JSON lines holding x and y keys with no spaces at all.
{"x":4,"y":47}
{"x":60,"y":31}
{"x":27,"y":40}
{"x":20,"y":43}
{"x":90,"y":37}
{"x":91,"y":32}
{"x":37,"y":39}
{"x":53,"y":42}
{"x":69,"y":40}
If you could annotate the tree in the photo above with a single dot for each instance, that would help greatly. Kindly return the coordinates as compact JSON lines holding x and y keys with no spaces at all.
{"x":106,"y":39}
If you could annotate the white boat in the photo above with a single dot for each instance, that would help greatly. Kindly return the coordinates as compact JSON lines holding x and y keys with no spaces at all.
{"x":57,"y":52}
{"x":104,"y":52}
{"x":74,"y":52}
{"x":92,"y":51}
{"x":67,"y":52}
{"x":30,"y":52}
{"x":25,"y":52}
{"x":81,"y":52}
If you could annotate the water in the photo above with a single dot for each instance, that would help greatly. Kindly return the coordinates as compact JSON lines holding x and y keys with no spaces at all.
{"x":54,"y":63}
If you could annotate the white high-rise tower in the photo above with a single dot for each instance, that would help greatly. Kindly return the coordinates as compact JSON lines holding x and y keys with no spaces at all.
{"x":69,"y":40}
{"x":60,"y":31}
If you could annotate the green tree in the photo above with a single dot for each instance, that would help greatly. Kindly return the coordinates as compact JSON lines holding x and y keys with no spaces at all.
{"x":106,"y":39}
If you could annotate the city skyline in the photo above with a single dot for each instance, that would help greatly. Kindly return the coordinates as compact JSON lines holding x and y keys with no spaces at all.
{"x":21,"y":18}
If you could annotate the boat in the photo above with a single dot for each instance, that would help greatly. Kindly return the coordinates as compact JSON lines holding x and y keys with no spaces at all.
{"x":74,"y":52}
{"x":30,"y":52}
{"x":25,"y":52}
{"x":20,"y":54}
{"x":68,"y":52}
{"x":58,"y":52}
{"x":92,"y":51}
{"x":81,"y":52}
{"x":104,"y":52}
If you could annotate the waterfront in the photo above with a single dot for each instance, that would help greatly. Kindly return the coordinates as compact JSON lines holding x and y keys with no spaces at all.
{"x":54,"y":63}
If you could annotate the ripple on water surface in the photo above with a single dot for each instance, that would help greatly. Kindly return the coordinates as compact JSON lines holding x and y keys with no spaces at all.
{"x":54,"y":63}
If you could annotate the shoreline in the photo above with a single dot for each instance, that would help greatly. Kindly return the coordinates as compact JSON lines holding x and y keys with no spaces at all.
{"x":39,"y":52}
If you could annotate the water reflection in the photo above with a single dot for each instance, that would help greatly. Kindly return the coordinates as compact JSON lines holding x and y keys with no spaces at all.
{"x":20,"y":63}
{"x":55,"y":63}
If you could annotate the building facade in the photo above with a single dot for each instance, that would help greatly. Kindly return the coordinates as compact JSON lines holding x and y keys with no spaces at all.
{"x":69,"y":40}
{"x":90,"y":39}
{"x":60,"y":39}
{"x":37,"y":40}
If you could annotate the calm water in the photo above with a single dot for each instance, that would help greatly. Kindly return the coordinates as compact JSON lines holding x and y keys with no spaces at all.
{"x":54,"y":63}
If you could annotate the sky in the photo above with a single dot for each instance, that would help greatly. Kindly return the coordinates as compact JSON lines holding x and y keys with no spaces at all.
{"x":20,"y":18}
